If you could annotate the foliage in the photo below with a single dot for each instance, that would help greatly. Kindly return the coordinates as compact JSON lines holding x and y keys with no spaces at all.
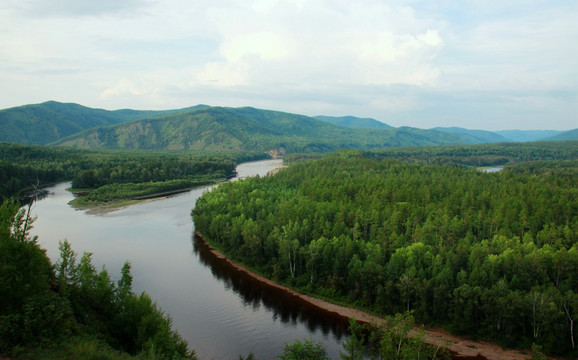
{"x":251,"y":356}
{"x":472,"y":155}
{"x":483,"y":154}
{"x":22,"y":166}
{"x":354,"y":122}
{"x":28,"y":311}
{"x":140,"y":191}
{"x":396,"y":339}
{"x":304,"y":350}
{"x":47,"y":122}
{"x":248,"y":129}
{"x":44,"y":306}
{"x":487,"y":254}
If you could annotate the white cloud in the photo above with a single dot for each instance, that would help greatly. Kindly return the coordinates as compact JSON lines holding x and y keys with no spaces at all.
{"x":265,"y":45}
{"x":529,"y":48}
{"x":311,"y":56}
{"x":351,"y":42}
{"x":221,"y":74}
{"x":123,"y":86}
{"x":42,"y":8}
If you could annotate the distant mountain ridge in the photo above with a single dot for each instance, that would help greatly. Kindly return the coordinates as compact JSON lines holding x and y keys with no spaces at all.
{"x":528,"y":135}
{"x":50,"y":121}
{"x":568,"y":135}
{"x":474,"y":136}
{"x":247,"y":129}
{"x":203,"y":127}
{"x":354,"y":122}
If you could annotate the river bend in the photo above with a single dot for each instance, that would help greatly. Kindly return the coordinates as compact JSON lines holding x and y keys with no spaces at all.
{"x":220,"y":313}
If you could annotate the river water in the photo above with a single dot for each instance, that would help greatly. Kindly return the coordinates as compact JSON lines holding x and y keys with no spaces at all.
{"x":222,"y":314}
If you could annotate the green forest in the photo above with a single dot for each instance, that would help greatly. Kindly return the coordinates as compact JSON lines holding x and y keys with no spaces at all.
{"x":112,"y":175}
{"x":481,"y":155}
{"x":69,"y":310}
{"x":490,"y":255}
{"x":247,"y":129}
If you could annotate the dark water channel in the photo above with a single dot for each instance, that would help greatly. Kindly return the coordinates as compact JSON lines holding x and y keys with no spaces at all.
{"x":221,"y":312}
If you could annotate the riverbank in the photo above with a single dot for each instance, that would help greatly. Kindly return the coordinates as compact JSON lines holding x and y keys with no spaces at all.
{"x":101,"y":207}
{"x":105,"y":208}
{"x":461,"y":348}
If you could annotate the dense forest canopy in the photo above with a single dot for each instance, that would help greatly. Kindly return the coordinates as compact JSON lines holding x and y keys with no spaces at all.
{"x":50,"y":121}
{"x":493,"y":255}
{"x":226,"y":129}
{"x":481,"y":155}
{"x":354,"y":122}
{"x":23,"y":166}
{"x":248,"y":129}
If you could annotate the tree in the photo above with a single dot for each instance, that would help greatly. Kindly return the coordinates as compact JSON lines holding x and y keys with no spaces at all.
{"x":304,"y":350}
{"x":289,"y":247}
{"x":67,"y":269}
{"x":396,"y":333}
{"x":570,"y":305}
{"x":355,"y":345}
{"x":29,"y":311}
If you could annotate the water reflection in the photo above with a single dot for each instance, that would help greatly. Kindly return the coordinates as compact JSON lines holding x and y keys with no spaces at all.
{"x":287,"y":308}
{"x":33,"y":196}
{"x":221,"y":317}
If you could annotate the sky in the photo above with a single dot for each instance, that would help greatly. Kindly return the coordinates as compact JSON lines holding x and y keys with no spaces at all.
{"x":490,"y":65}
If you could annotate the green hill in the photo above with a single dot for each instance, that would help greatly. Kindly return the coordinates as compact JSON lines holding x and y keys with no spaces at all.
{"x":568,"y":135}
{"x":226,"y":129}
{"x":474,"y":136}
{"x":50,"y":121}
{"x":248,"y":129}
{"x":354,"y":122}
{"x":527,"y":135}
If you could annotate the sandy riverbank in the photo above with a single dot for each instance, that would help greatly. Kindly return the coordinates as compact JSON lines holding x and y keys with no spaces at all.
{"x":99,"y":208}
{"x":105,"y":208}
{"x":461,"y":348}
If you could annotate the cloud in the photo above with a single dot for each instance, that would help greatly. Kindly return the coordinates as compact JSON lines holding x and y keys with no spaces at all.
{"x":413,"y":62}
{"x":265,"y":45}
{"x":528,"y":47}
{"x":70,"y":8}
{"x":367,"y":42}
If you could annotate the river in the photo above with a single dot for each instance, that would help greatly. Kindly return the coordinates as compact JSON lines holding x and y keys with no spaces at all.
{"x":221,"y":313}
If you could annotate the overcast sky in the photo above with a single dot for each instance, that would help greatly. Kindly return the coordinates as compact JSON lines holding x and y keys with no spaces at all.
{"x":479,"y":64}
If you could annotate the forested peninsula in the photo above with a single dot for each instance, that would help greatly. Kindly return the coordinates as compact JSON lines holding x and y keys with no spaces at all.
{"x":109,"y":177}
{"x":488,"y":255}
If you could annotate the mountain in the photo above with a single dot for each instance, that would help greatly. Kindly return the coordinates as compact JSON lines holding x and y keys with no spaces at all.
{"x":474,"y":136}
{"x":568,"y":135}
{"x":248,"y":129}
{"x":527,"y":135}
{"x":50,"y":121}
{"x":354,"y":122}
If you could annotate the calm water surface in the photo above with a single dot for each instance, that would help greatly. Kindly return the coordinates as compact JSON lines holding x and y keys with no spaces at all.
{"x":221,"y":313}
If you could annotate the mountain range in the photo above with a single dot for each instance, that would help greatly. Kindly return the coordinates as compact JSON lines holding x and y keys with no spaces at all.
{"x":209,"y":128}
{"x":50,"y":121}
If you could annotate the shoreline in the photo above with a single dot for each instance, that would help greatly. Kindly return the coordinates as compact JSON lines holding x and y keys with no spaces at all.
{"x":459,"y":347}
{"x":100,"y":208}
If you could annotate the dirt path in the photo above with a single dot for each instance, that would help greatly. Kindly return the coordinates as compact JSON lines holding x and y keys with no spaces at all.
{"x":461,"y":348}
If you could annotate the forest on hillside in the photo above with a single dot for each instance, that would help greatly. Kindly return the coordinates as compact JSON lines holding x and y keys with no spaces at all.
{"x":491,"y":255}
{"x":112,"y":175}
{"x":248,"y":129}
{"x":480,"y":155}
